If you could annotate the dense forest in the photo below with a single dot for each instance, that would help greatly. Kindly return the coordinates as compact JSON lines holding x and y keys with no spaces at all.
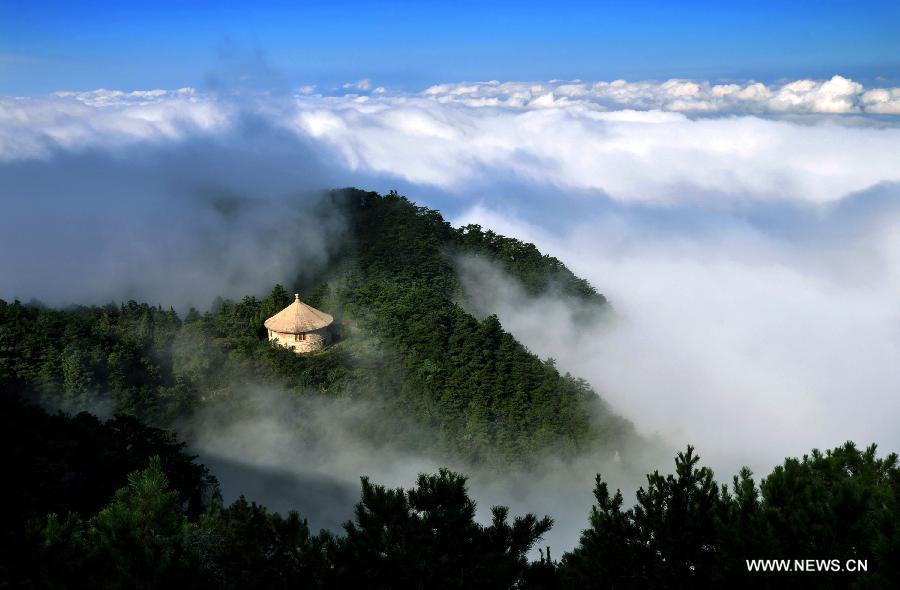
{"x":119,"y":503}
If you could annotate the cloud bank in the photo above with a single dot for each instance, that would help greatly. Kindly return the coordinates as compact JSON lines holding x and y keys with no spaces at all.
{"x":837,"y":95}
{"x":749,"y":344}
{"x":453,"y":137}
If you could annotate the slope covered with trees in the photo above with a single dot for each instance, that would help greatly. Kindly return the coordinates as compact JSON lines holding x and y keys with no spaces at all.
{"x":408,"y":347}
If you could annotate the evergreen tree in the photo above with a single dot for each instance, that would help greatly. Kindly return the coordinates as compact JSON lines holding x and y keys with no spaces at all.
{"x":427,"y":537}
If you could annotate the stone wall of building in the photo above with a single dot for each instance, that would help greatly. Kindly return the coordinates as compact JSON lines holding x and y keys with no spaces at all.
{"x":315,"y":340}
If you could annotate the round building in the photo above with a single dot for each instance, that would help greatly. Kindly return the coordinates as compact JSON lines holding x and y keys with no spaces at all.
{"x":300,"y":327}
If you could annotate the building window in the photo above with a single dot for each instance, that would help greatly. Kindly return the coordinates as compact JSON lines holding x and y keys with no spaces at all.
{"x":299,"y":337}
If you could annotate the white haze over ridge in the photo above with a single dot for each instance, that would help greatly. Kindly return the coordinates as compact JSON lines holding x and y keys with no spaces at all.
{"x":742,"y":343}
{"x":747,"y":234}
{"x":307,"y":454}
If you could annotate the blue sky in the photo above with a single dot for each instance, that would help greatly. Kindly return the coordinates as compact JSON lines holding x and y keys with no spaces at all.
{"x":46,"y":46}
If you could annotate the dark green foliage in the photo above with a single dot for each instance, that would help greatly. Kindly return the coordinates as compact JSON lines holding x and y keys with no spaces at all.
{"x":688,"y":532}
{"x":137,"y":541}
{"x":244,"y":547}
{"x":844,"y":503}
{"x":538,"y":273}
{"x":62,"y":464}
{"x":668,"y":540}
{"x":85,"y":355}
{"x":423,"y":537}
{"x":427,"y":538}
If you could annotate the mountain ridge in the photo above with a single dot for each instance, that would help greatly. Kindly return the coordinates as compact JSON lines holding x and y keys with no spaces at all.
{"x":410,"y":348}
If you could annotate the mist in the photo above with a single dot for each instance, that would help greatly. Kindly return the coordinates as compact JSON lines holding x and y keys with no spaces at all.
{"x":307,"y":453}
{"x":750,"y":341}
{"x":170,"y":223}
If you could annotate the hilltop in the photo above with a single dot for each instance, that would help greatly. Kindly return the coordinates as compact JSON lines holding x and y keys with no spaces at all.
{"x":407,"y":348}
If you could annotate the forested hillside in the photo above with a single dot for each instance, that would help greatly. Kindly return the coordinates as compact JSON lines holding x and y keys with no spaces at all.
{"x":407,"y":346}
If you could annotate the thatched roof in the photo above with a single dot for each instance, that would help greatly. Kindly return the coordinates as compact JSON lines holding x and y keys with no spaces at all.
{"x":297,"y":318}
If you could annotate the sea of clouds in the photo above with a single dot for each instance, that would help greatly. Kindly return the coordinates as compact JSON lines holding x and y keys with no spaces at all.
{"x":747,"y":235}
{"x":654,"y":143}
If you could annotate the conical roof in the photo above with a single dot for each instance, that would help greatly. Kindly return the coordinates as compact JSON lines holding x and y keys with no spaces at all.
{"x":297,"y":318}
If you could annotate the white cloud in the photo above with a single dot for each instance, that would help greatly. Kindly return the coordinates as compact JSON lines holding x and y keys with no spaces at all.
{"x":882,"y":101}
{"x":34,"y":127}
{"x":364,"y":84}
{"x":555,"y":134}
{"x":749,"y":344}
{"x":837,"y":95}
{"x":647,"y":156}
{"x":104,"y":98}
